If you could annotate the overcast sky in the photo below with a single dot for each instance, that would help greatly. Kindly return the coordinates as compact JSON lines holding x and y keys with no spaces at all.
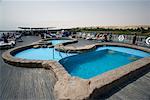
{"x":63,"y":14}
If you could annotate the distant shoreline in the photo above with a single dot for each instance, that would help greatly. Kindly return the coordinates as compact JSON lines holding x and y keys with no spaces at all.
{"x":96,"y":26}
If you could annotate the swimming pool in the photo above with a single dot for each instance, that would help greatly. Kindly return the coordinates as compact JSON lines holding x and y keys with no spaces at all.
{"x":54,"y":42}
{"x":103,"y":59}
{"x":98,"y":78}
{"x":86,"y":65}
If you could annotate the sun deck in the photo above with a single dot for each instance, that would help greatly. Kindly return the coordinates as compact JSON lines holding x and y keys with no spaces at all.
{"x":25,"y":83}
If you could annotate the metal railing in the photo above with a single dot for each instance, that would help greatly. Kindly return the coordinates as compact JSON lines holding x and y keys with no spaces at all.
{"x":53,"y":53}
{"x":68,"y":52}
{"x":140,"y":40}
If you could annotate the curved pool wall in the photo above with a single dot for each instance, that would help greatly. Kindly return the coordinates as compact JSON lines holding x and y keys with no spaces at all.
{"x":90,"y":64}
{"x":101,"y":60}
{"x":9,"y":55}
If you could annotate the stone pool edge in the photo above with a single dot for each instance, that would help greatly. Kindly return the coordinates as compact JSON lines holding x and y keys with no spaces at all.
{"x":68,"y":87}
{"x":20,"y":62}
{"x":75,"y":88}
{"x":62,"y":47}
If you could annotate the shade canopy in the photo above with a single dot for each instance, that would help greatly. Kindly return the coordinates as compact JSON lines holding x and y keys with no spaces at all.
{"x":36,"y":28}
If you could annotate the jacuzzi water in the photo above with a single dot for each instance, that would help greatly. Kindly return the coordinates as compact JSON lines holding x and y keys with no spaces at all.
{"x":54,"y":42}
{"x":87,"y":65}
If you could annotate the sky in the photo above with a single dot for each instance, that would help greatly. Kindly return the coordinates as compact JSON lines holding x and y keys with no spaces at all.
{"x":71,"y":13}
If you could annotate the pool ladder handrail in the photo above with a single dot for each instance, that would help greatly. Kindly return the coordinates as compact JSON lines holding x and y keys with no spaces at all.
{"x":60,"y":52}
{"x":67,"y":52}
{"x":53,"y":53}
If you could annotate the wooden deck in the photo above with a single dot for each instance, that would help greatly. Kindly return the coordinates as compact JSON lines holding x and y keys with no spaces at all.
{"x":24,"y":83}
{"x":137,"y":90}
{"x":37,"y":84}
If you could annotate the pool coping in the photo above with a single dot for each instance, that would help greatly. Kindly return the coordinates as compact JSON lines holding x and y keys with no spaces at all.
{"x":74,"y":87}
{"x":72,"y":49}
{"x":90,"y":88}
{"x":20,"y":62}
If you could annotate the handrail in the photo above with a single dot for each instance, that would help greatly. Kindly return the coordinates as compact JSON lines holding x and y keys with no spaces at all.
{"x":67,"y":52}
{"x":60,"y":53}
{"x":53,"y":53}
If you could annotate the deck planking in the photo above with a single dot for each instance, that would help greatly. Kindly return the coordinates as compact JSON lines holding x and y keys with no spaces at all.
{"x":18,"y":83}
{"x":137,"y":90}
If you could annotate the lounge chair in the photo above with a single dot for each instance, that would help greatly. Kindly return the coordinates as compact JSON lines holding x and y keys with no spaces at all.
{"x":88,"y":37}
{"x":100,"y":38}
{"x":92,"y":36}
{"x":83,"y":36}
{"x":4,"y":45}
{"x":18,"y":37}
{"x":79,"y":35}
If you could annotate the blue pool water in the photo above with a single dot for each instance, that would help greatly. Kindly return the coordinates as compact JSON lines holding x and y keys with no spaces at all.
{"x":54,"y":42}
{"x":126,"y":50}
{"x":87,"y":65}
{"x":42,"y":54}
{"x":91,"y":64}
